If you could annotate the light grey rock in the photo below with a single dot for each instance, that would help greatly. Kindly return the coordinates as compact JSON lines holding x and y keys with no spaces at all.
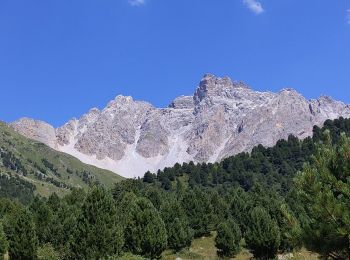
{"x":222,"y":118}
{"x":182,"y":102}
{"x":36,"y":130}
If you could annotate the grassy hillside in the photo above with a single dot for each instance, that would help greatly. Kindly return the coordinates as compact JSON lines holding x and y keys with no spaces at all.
{"x":27,"y":166}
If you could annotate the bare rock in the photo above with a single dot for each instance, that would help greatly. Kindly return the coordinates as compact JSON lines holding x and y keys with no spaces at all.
{"x":222,"y":118}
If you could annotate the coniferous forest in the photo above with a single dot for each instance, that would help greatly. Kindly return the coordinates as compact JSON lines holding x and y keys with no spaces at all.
{"x":270,"y":201}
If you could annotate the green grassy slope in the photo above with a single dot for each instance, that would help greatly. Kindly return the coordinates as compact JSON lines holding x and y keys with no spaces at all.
{"x":23,"y":159}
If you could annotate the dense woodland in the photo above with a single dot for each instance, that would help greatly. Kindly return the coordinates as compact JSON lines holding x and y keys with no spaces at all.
{"x":272,"y":200}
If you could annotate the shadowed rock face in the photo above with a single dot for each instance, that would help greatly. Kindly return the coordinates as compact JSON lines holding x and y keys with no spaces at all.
{"x":221,"y":119}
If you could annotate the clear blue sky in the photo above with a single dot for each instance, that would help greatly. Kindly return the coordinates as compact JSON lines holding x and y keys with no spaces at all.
{"x":59,"y":58}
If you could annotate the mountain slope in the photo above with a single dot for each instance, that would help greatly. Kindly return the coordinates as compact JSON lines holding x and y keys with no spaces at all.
{"x":40,"y":168}
{"x":221,"y":119}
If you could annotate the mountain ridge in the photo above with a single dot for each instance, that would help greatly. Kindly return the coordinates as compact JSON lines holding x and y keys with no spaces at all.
{"x":222,"y":118}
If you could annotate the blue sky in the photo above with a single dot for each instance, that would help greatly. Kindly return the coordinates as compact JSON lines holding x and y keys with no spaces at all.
{"x":59,"y":58}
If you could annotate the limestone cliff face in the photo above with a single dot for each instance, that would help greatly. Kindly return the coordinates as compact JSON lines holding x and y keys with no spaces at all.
{"x":221,"y":119}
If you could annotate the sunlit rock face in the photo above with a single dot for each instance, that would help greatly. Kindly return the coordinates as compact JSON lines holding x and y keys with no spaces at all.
{"x":222,"y":118}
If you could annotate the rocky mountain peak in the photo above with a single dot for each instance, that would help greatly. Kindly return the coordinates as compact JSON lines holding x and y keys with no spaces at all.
{"x":222,"y":118}
{"x":120,"y":100}
{"x":212,"y":86}
{"x":182,"y":102}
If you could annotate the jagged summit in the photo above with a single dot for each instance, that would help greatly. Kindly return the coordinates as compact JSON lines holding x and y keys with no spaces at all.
{"x":222,"y":118}
{"x":182,"y":102}
{"x":213,"y":86}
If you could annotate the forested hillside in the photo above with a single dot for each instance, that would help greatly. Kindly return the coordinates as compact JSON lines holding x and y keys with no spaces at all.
{"x":272,"y":201}
{"x":28,"y":167}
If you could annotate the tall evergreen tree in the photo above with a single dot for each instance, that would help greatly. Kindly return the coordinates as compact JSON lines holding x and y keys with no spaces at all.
{"x":324,"y":187}
{"x":228,"y":239}
{"x":20,"y":231}
{"x":175,"y":219}
{"x":145,"y":232}
{"x":42,"y":216}
{"x":263,"y":235}
{"x":199,"y":211}
{"x":98,"y":233}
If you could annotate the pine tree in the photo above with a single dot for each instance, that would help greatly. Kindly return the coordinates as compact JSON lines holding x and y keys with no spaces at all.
{"x":98,"y":233}
{"x":228,"y":239}
{"x":178,"y":230}
{"x":199,"y":211}
{"x":20,"y":231}
{"x":324,"y":188}
{"x":148,"y":177}
{"x":145,"y":232}
{"x":263,"y":235}
{"x":42,"y":216}
{"x":179,"y":235}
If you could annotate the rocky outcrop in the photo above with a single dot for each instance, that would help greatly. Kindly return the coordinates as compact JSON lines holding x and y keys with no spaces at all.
{"x":36,"y":130}
{"x":222,"y":118}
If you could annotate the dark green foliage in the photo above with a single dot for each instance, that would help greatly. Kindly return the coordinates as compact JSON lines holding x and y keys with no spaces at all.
{"x":155,"y":195}
{"x":263,"y":235}
{"x":14,"y":187}
{"x":221,"y":208}
{"x":199,"y":211}
{"x":20,"y":231}
{"x":148,"y":177}
{"x":145,"y":232}
{"x":240,"y":205}
{"x":272,"y":167}
{"x":4,"y":244}
{"x":324,"y":188}
{"x":228,"y":239}
{"x":62,"y":227}
{"x":98,"y":232}
{"x":179,"y":233}
{"x":42,"y":216}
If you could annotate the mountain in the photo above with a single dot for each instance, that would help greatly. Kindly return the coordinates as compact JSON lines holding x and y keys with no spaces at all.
{"x":222,"y":118}
{"x":37,"y":168}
